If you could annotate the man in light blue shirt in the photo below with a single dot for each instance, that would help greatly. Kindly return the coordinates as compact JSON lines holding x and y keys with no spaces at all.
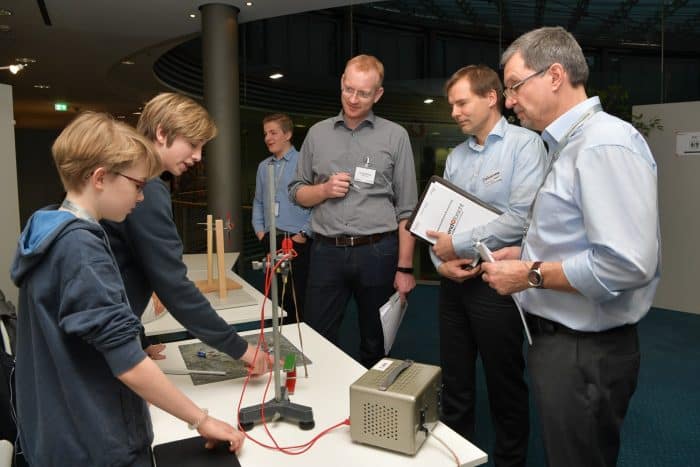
{"x":503,"y":165}
{"x":291,"y":220}
{"x":590,"y":261}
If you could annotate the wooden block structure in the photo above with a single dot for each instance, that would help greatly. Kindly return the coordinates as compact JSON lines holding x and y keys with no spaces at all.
{"x":223,"y":283}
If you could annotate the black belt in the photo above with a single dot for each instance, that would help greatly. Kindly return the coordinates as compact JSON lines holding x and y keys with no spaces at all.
{"x":357,"y":240}
{"x":539,"y":325}
{"x":282,"y":233}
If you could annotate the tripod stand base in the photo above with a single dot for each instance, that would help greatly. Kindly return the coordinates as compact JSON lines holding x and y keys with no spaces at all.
{"x":286,"y":409}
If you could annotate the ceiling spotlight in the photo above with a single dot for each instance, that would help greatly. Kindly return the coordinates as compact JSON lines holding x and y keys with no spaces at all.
{"x":276,"y":76}
{"x":5,"y":12}
{"x":135,"y":113}
{"x":14,"y":69}
{"x":25,"y":60}
{"x":248,"y":3}
{"x":126,"y":61}
{"x":192,"y":15}
{"x":428,"y":101}
{"x":42,"y":86}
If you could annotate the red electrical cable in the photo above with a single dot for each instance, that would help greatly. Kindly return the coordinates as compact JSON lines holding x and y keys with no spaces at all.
{"x":289,"y":450}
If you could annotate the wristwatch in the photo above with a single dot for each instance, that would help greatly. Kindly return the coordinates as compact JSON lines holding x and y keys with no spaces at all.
{"x":534,"y":276}
{"x":404,"y":270}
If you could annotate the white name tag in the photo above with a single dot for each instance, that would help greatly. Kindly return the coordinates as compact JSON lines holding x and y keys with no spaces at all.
{"x":365,"y":175}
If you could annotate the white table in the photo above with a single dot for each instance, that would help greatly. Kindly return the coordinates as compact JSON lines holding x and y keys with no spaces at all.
{"x":327,"y":392}
{"x":196,"y":269}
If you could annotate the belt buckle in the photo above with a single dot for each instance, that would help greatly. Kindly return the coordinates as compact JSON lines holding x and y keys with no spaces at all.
{"x":351,"y":241}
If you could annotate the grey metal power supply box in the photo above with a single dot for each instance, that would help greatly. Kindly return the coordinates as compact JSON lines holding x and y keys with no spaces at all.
{"x":392,"y":402}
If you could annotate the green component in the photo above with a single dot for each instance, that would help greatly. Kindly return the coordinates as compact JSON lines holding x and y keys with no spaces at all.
{"x":290,"y":362}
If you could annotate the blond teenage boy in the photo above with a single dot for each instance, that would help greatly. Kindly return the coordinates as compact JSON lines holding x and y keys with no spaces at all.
{"x":147,"y":245}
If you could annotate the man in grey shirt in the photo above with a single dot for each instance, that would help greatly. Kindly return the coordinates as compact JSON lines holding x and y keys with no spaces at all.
{"x":356,"y":171}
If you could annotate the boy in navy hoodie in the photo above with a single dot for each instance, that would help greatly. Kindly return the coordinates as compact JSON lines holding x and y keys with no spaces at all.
{"x":82,"y":376}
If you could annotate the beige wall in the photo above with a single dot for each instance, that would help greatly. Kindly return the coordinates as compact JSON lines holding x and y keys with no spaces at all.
{"x":9,"y":203}
{"x":679,"y":206}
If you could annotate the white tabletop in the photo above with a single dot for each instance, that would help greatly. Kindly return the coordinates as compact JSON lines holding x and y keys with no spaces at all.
{"x":326,"y":390}
{"x":196,"y":269}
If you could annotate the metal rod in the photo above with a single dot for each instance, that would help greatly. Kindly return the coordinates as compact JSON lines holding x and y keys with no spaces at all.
{"x":273,"y":276}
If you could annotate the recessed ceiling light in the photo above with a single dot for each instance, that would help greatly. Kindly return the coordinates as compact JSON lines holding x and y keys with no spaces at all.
{"x":128,"y":62}
{"x":428,"y":101}
{"x":5,"y":12}
{"x":135,"y":113}
{"x":14,"y":68}
{"x":300,"y":125}
{"x":42,"y":86}
{"x":248,"y":3}
{"x":276,"y":76}
{"x":192,"y":15}
{"x":435,"y":133}
{"x":25,"y":60}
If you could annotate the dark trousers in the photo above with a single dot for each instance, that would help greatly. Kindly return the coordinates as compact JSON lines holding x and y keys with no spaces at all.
{"x":475,"y":320}
{"x":364,"y":272}
{"x":296,"y":279}
{"x":582,"y":383}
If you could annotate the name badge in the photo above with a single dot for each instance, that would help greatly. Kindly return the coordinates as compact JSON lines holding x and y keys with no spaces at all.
{"x":493,"y":178}
{"x":365,"y":175}
{"x":277,"y":208}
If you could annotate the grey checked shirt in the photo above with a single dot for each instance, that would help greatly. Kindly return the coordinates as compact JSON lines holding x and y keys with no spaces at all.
{"x":376,"y":143}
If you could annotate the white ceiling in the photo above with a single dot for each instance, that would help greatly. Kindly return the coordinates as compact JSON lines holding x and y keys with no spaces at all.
{"x":79,"y":55}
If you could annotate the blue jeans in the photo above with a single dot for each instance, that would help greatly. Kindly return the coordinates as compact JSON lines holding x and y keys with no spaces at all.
{"x":364,"y":272}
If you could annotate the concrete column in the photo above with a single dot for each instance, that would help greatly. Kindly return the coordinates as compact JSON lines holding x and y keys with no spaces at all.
{"x":221,"y":98}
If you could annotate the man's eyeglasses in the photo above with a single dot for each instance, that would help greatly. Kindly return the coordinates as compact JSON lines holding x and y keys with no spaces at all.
{"x":512,"y":91}
{"x":139,"y":183}
{"x":365,"y":95}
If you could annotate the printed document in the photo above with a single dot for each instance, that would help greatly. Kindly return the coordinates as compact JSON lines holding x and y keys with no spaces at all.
{"x":391,"y":314}
{"x":446,"y":208}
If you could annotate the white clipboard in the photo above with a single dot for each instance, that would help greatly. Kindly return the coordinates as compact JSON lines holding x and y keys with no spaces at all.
{"x":444,"y":207}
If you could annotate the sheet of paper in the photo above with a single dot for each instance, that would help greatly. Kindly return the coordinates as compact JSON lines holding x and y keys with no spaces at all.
{"x":391,"y":314}
{"x":445,"y":210}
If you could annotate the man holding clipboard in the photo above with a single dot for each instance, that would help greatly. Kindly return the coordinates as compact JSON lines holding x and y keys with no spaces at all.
{"x":502,"y":165}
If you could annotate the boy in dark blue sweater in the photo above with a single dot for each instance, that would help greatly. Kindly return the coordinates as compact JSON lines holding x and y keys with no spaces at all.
{"x":147,"y":245}
{"x":81,"y":373}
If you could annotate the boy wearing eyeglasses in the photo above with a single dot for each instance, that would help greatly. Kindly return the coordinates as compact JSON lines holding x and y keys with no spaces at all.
{"x":82,"y":376}
{"x":147,"y":245}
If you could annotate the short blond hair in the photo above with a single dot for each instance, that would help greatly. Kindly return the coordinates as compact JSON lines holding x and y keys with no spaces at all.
{"x":176,"y":115}
{"x":282,"y":120}
{"x":94,"y":140}
{"x":366,"y":63}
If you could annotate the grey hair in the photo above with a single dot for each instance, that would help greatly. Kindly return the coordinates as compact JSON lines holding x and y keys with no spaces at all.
{"x":542,"y":47}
